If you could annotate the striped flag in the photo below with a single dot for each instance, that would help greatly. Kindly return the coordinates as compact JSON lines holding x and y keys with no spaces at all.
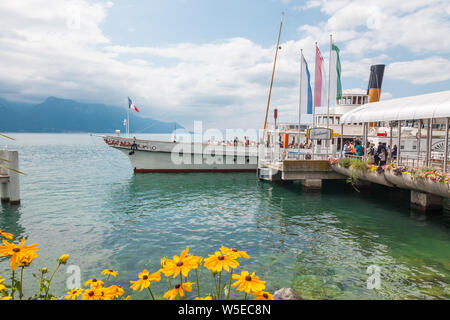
{"x":131,"y":104}
{"x":305,"y":89}
{"x":320,"y":91}
{"x":335,"y":75}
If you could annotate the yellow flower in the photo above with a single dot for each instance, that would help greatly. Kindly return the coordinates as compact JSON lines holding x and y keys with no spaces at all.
{"x":6,"y":235}
{"x":127,"y":298}
{"x":182,"y":264}
{"x":145,"y":279}
{"x":110,"y":272}
{"x":73,"y":293}
{"x":205,"y":298}
{"x":2,"y":286}
{"x":197,"y":261}
{"x":373,"y":168}
{"x":114,"y":292}
{"x":63,"y":259}
{"x":26,"y":258}
{"x":263,"y":296}
{"x":6,"y":298}
{"x":218,"y":261}
{"x":10,"y":249}
{"x":93,"y":283}
{"x":92,"y":294}
{"x":164,"y":261}
{"x":178,"y":290}
{"x":234,"y":252}
{"x":248,"y":283}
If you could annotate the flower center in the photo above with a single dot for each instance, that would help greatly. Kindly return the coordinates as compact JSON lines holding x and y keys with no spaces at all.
{"x":110,"y":270}
{"x":144,"y":277}
{"x":234,"y":250}
{"x":179,"y":264}
{"x":221,"y":258}
{"x":177,"y":286}
{"x":16,"y":249}
{"x":248,"y":278}
{"x":265,"y":295}
{"x":91,"y":293}
{"x":94,"y":280}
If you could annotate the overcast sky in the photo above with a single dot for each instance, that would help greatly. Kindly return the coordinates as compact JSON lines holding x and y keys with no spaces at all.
{"x":211,"y":60}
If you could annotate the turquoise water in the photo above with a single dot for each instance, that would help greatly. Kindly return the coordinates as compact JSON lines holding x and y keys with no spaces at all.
{"x":81,"y":197}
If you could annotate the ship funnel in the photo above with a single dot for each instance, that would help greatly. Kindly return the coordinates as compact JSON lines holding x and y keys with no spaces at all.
{"x":375,"y":82}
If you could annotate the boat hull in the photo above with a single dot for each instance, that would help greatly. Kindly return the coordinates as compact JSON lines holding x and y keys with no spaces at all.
{"x":176,"y":157}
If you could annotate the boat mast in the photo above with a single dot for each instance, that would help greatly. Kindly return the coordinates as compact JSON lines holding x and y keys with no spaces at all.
{"x":300,"y":101}
{"x":273,"y":72}
{"x":128,"y":119}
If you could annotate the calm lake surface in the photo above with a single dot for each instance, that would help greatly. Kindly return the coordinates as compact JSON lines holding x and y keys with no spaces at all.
{"x":81,"y":197}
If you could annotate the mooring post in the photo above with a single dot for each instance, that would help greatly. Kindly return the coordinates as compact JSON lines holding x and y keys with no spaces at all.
{"x":14,"y":183}
{"x":10,"y":186}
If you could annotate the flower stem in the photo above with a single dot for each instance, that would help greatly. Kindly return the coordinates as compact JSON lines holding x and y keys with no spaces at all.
{"x":151,"y":293}
{"x":170,"y":283}
{"x":198,"y":284}
{"x":13,"y":284}
{"x":229,"y":287}
{"x":181,"y":285}
{"x":50,"y":281}
{"x":215,"y":283}
{"x":220,"y":290}
{"x":245,"y":298}
{"x":21,"y":284}
{"x":109,"y":276}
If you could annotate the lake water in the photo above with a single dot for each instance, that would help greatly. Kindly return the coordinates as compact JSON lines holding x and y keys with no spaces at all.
{"x":81,"y":197}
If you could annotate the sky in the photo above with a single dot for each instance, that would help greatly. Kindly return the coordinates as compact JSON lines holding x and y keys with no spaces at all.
{"x":210,"y":60}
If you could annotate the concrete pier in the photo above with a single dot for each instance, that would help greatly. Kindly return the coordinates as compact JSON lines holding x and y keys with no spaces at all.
{"x":9,"y":180}
{"x":425,"y":201}
{"x":312,"y":185}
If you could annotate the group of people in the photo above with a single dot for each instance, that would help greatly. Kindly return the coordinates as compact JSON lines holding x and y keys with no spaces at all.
{"x":379,"y":155}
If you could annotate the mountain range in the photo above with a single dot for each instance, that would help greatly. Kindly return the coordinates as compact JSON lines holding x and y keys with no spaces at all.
{"x":62,"y":115}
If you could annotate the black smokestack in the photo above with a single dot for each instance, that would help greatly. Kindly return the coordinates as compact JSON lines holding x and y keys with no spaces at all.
{"x":375,"y":82}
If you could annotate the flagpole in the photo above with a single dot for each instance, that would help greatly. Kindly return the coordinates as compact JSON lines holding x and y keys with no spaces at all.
{"x":329,"y":81}
{"x":273,"y":72}
{"x":300,"y":101}
{"x":128,"y":119}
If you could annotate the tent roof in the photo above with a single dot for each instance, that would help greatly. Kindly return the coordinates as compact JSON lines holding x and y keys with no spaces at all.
{"x":427,"y":106}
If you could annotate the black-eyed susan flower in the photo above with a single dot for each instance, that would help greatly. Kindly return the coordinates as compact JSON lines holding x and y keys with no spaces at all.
{"x":2,"y":286}
{"x":25,"y":259}
{"x":92,"y":294}
{"x":178,"y":290}
{"x":110,"y":272}
{"x":248,"y":283}
{"x":73,"y":293}
{"x":182,"y":264}
{"x":13,"y":250}
{"x":6,"y":298}
{"x":234,"y":252}
{"x":218,"y":261}
{"x":63,"y":259}
{"x":262,"y":295}
{"x":205,"y":298}
{"x":93,"y":283}
{"x":197,"y":261}
{"x":6,"y":235}
{"x":145,"y":279}
{"x":114,"y":292}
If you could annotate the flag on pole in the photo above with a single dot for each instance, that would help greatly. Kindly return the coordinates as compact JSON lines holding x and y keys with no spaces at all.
{"x":320,"y":91}
{"x":131,"y":104}
{"x":335,"y":75}
{"x":306,"y":100}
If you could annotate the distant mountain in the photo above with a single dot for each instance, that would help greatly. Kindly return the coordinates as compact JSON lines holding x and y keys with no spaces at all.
{"x":61,"y":115}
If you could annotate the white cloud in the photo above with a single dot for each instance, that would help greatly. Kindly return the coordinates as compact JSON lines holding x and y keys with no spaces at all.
{"x":58,"y":48}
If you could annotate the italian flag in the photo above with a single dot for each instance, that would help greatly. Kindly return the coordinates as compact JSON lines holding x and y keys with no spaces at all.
{"x":335,"y":75}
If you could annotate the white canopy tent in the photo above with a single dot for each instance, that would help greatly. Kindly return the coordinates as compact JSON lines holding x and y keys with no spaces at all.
{"x":427,"y":106}
{"x":433,"y":107}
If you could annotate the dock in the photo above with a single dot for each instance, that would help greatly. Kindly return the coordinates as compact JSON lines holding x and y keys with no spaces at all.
{"x":422,"y":121}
